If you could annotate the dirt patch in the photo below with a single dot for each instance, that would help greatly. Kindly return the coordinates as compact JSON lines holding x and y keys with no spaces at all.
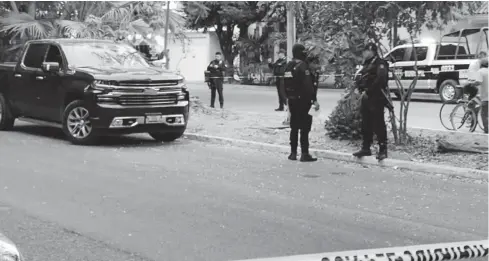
{"x":268,"y":128}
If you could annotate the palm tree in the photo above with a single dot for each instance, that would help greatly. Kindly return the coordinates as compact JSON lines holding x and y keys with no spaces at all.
{"x":24,"y":21}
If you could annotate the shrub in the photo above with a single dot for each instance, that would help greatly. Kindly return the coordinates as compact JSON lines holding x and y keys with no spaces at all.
{"x":344,"y":123}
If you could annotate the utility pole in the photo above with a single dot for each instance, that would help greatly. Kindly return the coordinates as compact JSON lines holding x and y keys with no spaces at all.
{"x":291,"y":36}
{"x":167,"y":65}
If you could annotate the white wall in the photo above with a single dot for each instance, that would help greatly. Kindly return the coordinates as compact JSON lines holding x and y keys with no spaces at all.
{"x":192,"y":57}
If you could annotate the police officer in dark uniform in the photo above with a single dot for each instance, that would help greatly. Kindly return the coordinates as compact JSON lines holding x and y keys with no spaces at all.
{"x":301,"y":96}
{"x":315,"y":68}
{"x":278,"y":69}
{"x":217,"y":69}
{"x":372,"y":83}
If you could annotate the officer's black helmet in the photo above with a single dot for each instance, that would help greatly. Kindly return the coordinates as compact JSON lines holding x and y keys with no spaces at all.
{"x":299,"y":51}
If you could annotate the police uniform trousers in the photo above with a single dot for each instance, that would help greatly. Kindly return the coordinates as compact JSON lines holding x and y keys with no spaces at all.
{"x":216,"y":85}
{"x":373,"y":121}
{"x":282,"y":100}
{"x":300,"y":120}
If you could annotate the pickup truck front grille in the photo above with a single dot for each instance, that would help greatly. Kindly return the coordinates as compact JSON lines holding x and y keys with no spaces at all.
{"x":152,"y":84}
{"x":167,"y":98}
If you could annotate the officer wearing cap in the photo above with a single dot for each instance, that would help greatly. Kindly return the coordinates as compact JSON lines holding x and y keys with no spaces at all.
{"x":301,"y":96}
{"x":217,"y":69}
{"x":278,"y":71}
{"x":372,"y":83}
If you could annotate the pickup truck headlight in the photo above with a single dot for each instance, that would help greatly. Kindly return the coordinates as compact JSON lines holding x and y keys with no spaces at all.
{"x":106,"y":98}
{"x":99,"y":87}
{"x":182,"y":96}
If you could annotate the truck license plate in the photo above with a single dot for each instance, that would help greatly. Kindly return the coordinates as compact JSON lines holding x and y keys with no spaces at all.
{"x":154,"y":119}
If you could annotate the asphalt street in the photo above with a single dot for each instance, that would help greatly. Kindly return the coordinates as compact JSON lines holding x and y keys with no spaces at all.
{"x":134,"y":199}
{"x":422,"y":113}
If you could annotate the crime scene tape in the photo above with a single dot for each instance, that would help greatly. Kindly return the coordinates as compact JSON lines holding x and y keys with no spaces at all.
{"x":273,"y":76}
{"x":432,"y":252}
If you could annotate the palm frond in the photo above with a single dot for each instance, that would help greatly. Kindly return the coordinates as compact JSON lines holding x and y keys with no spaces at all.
{"x":74,"y":28}
{"x":117,"y":15}
{"x":26,"y":26}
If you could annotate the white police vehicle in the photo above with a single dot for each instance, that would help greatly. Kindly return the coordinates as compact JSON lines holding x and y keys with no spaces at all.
{"x":442,"y":66}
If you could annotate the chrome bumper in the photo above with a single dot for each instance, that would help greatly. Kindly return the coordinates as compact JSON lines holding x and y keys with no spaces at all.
{"x":133,"y":121}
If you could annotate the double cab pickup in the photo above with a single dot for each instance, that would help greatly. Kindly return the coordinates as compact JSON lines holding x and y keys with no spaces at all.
{"x":92,"y":88}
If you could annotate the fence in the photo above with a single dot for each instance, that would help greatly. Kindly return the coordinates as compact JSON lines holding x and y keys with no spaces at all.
{"x":433,"y":252}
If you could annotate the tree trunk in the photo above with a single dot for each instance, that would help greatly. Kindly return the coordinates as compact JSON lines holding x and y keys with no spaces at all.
{"x":31,"y":9}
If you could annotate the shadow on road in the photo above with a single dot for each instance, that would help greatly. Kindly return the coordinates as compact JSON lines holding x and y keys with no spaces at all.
{"x":105,"y":141}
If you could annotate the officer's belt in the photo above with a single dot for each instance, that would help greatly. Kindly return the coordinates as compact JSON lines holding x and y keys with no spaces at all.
{"x":294,"y":98}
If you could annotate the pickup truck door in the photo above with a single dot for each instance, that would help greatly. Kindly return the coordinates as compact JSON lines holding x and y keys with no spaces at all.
{"x":23,"y":91}
{"x":49,"y":88}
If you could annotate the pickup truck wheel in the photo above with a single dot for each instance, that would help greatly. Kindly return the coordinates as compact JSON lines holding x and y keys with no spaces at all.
{"x":6,"y":118}
{"x":76,"y":124}
{"x":449,"y":91}
{"x":166,"y":137}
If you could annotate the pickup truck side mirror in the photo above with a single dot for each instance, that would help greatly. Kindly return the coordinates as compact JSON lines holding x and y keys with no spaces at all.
{"x":50,"y":67}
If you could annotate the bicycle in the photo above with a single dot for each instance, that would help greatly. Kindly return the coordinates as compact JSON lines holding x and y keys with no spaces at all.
{"x":469,"y":111}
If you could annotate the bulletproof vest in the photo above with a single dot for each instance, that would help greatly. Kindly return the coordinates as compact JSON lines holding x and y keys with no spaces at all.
{"x":291,"y":83}
{"x":369,"y":71}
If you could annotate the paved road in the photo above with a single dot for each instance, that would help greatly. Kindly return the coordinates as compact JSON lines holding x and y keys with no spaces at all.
{"x":199,"y":201}
{"x":422,"y":113}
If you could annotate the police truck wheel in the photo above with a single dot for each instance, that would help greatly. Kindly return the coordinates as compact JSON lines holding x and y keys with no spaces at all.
{"x":6,"y":118}
{"x":449,"y":92}
{"x":166,"y":136}
{"x":76,"y":124}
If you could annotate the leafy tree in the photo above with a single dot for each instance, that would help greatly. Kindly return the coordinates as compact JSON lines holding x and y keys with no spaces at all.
{"x":340,"y":30}
{"x":224,"y":17}
{"x":37,"y":20}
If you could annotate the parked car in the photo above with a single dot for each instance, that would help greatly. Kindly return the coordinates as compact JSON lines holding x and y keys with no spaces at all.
{"x":8,"y":250}
{"x":91,"y":88}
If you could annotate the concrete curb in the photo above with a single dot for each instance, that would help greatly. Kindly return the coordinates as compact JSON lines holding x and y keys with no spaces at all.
{"x":388,"y":163}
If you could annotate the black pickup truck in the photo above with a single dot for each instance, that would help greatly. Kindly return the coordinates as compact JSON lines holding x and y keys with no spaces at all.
{"x":92,"y":88}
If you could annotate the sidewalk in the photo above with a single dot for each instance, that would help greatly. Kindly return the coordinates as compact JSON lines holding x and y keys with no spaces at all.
{"x":264,"y":128}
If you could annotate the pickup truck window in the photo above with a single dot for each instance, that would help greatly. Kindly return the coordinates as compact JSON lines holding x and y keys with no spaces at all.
{"x":54,"y":55}
{"x":103,"y":55}
{"x":399,"y":54}
{"x":35,"y":55}
{"x":447,"y":52}
{"x":421,"y":53}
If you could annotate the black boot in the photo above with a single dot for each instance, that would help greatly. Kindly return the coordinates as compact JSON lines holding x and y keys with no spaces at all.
{"x":280,"y":109}
{"x":222,"y":105}
{"x":293,"y":156}
{"x":293,"y":144}
{"x":382,"y":152}
{"x":365,"y":151}
{"x":306,"y":157}
{"x":212,"y":105}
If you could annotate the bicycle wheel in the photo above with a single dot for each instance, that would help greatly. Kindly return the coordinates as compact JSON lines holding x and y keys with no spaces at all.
{"x":446,"y":110}
{"x":467,"y":117}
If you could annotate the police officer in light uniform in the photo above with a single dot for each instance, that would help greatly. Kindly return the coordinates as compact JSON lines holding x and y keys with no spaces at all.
{"x":217,"y":69}
{"x":301,"y":96}
{"x":372,"y":83}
